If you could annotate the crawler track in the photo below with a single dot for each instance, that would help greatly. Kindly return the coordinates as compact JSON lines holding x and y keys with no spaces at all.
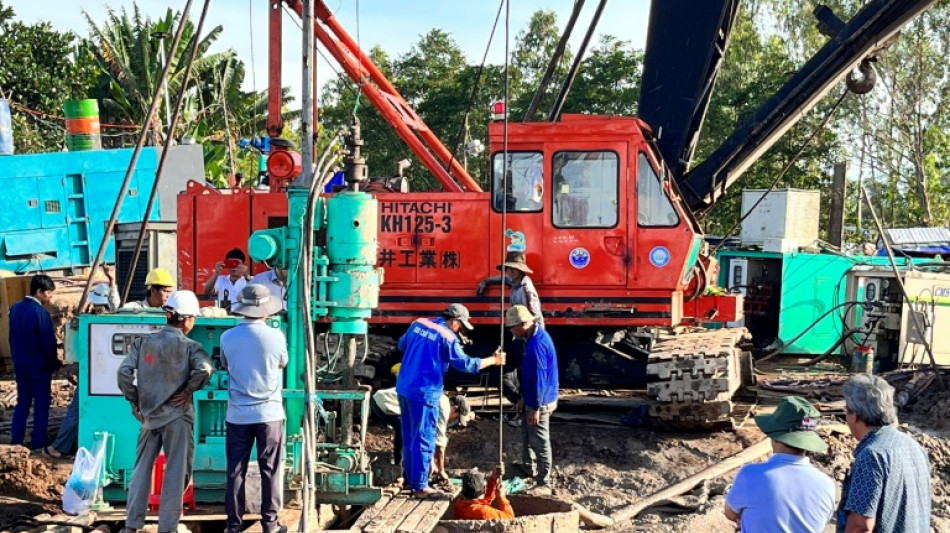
{"x":696,"y":376}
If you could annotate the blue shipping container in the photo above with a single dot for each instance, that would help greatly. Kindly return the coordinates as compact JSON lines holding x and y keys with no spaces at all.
{"x":56,"y":205}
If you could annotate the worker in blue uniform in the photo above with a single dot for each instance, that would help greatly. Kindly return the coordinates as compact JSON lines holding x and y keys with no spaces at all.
{"x":430,"y":346}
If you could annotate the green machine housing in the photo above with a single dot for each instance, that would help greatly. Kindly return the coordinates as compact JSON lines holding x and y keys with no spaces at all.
{"x":344,"y":290}
{"x":785,"y":292}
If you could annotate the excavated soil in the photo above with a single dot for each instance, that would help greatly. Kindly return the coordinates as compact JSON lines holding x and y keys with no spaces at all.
{"x":603,"y":467}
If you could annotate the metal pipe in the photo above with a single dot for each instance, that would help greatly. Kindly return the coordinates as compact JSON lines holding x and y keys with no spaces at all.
{"x":306,"y":98}
{"x":173,"y":123}
{"x":569,"y":82}
{"x":275,"y":94}
{"x":349,"y":383}
{"x":555,"y":60}
{"x":149,"y":116}
{"x":900,"y":283}
{"x":306,"y":180}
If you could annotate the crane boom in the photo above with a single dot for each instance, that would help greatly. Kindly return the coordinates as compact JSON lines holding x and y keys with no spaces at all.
{"x":866,"y":34}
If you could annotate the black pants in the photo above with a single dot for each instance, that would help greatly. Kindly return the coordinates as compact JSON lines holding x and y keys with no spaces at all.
{"x":240,"y":440}
{"x":396,"y":424}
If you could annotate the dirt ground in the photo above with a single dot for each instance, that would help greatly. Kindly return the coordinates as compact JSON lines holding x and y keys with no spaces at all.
{"x":600,"y":466}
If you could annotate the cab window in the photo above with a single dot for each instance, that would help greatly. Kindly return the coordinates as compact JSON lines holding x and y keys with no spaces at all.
{"x":523,"y":191}
{"x":654,"y":208}
{"x":585,"y":189}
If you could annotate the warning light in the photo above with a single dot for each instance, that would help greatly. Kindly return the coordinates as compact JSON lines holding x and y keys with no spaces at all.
{"x":499,"y":110}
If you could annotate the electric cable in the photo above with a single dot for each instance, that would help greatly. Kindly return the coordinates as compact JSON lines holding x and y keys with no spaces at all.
{"x":785,"y":169}
{"x":807,"y":329}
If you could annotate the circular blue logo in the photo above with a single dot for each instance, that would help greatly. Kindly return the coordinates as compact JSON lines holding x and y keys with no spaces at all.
{"x":659,"y":257}
{"x":579,"y":257}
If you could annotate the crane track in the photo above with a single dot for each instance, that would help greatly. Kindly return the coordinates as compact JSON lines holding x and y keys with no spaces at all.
{"x":695,"y":376}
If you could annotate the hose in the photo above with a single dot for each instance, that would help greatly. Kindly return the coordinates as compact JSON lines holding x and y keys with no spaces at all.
{"x":810,"y":326}
{"x":841,"y":340}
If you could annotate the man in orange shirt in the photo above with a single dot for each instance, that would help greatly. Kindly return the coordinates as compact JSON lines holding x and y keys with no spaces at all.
{"x":476,"y":500}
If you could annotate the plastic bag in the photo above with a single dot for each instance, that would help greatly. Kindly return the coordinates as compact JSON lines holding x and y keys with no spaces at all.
{"x":72,"y":503}
{"x":84,"y":480}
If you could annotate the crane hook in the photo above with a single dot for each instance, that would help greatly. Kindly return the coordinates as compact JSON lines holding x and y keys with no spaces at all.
{"x":863,"y":83}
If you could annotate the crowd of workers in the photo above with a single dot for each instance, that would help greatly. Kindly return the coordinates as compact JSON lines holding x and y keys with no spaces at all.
{"x":887,"y":490}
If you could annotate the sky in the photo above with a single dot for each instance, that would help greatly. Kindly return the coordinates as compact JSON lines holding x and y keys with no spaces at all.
{"x":395,"y":25}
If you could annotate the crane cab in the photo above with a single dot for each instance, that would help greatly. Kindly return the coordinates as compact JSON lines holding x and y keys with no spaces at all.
{"x":588,"y":202}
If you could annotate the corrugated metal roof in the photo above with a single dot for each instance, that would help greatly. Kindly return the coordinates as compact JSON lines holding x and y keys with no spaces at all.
{"x":904,"y":236}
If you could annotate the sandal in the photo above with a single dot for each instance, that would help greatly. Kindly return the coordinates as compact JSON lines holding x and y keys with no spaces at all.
{"x":51,"y":452}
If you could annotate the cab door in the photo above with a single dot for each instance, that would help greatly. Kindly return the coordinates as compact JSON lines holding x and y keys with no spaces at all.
{"x":585,"y":240}
{"x":517,"y":208}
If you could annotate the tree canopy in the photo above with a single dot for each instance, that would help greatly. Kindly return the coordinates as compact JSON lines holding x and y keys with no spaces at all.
{"x":895,"y":138}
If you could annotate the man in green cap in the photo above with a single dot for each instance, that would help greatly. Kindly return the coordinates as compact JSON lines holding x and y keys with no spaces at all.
{"x":785,"y":494}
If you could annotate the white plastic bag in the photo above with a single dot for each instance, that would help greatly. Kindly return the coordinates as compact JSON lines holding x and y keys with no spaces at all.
{"x":72,"y":503}
{"x":84,"y":480}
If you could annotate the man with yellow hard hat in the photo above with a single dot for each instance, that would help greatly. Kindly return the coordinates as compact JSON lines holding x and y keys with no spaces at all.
{"x":160,"y":284}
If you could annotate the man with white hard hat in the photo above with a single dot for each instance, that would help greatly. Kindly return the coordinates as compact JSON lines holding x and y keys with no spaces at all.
{"x":159,"y":377}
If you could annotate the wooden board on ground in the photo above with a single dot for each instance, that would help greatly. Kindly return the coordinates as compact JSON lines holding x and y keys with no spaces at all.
{"x":609,"y":402}
{"x":403,"y":514}
{"x":588,"y":418}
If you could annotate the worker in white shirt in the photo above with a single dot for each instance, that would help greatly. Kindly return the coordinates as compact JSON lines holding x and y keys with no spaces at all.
{"x":275,"y":280}
{"x":226,"y":288}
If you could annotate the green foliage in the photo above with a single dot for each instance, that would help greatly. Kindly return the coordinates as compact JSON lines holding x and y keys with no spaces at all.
{"x":756,"y":66}
{"x":215,"y":111}
{"x":534,"y":48}
{"x":40,"y":68}
{"x":130,"y":59}
{"x":609,"y":80}
{"x":437,"y":79}
{"x":893,"y":137}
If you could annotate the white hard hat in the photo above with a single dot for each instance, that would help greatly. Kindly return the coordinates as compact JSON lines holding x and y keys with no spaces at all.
{"x":99,"y":294}
{"x":182,"y":303}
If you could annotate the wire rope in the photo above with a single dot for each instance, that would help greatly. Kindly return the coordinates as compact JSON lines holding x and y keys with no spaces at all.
{"x":504,"y":222}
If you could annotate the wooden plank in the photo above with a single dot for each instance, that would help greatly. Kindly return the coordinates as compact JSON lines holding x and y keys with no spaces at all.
{"x":392,"y":515}
{"x":757,"y":450}
{"x":425,"y":517}
{"x":413,"y":521}
{"x":588,"y":418}
{"x":203,"y":514}
{"x":610,"y":402}
{"x":371,"y":512}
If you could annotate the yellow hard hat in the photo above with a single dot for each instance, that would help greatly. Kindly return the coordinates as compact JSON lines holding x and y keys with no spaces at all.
{"x":160,"y":277}
{"x":395,"y":369}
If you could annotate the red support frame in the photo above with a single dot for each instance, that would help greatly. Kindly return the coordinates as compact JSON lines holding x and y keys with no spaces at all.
{"x":384,"y":97}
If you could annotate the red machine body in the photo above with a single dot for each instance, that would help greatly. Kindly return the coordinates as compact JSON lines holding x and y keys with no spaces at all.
{"x":600,"y":256}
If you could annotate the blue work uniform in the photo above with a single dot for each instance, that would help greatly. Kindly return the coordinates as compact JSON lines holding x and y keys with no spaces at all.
{"x":539,"y":389}
{"x":33,"y":347}
{"x":429,"y":347}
